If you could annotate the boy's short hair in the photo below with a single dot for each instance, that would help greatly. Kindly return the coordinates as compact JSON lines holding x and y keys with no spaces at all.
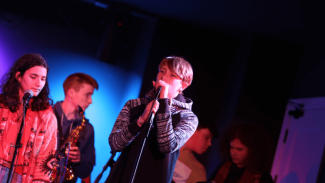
{"x":206,"y":121}
{"x":180,"y":66}
{"x":76,"y":80}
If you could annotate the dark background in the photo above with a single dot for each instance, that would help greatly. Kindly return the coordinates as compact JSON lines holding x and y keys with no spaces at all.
{"x":248,"y":57}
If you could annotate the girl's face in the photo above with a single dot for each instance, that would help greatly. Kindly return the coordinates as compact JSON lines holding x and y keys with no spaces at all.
{"x":33,"y":79}
{"x":238,"y":152}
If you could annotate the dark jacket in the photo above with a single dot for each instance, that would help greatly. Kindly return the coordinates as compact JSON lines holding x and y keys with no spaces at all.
{"x":173,"y":126}
{"x":228,"y":172}
{"x":85,"y":142}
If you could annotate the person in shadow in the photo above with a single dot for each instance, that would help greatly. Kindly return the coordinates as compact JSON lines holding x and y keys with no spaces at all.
{"x":247,"y":150}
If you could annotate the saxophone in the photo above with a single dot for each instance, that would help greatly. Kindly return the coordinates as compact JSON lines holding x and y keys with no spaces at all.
{"x":72,"y":140}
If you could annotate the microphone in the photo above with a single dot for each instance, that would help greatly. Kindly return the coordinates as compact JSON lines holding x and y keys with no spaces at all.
{"x":28,"y":94}
{"x":158,"y":91}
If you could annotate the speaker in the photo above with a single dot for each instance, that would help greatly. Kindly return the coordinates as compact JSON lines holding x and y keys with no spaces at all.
{"x":127,"y":39}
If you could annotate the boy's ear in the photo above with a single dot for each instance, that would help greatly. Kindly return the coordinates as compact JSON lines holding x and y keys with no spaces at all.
{"x":71,"y":92}
{"x":184,"y":86}
{"x":18,"y":76}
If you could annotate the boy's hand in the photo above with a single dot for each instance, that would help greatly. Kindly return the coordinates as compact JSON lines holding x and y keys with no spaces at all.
{"x":164,"y":88}
{"x":74,"y":154}
{"x":145,"y":115}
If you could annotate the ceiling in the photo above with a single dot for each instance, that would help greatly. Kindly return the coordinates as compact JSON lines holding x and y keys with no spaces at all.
{"x":297,"y":20}
{"x":291,"y":19}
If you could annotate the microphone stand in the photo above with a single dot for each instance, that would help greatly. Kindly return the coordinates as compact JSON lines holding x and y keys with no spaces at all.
{"x":109,"y":163}
{"x":18,"y":141}
{"x":146,"y":134}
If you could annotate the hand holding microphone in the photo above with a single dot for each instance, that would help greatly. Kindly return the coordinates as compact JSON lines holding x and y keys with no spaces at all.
{"x":152,"y":106}
{"x":164,"y":88}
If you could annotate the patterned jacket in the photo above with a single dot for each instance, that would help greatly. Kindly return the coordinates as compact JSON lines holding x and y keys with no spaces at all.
{"x":174,"y":124}
{"x":41,"y":145}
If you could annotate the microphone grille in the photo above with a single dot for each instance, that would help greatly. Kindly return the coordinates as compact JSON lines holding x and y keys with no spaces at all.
{"x":30,"y":92}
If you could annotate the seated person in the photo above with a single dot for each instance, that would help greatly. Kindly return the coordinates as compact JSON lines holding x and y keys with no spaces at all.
{"x":188,"y":169}
{"x":247,"y":147}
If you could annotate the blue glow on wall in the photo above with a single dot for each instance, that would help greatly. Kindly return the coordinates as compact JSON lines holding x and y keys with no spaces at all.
{"x":116,"y":86}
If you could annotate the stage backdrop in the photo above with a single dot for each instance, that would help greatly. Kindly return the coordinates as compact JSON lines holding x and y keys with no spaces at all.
{"x":67,"y":53}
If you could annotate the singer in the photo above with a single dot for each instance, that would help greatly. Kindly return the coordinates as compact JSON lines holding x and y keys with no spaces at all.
{"x":39,"y":134}
{"x":173,"y":125}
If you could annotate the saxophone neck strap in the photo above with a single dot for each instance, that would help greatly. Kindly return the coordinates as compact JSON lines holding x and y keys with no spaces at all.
{"x":60,"y":131}
{"x":62,"y":137}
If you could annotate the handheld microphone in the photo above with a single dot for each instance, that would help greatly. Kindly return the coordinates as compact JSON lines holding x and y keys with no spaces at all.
{"x":158,"y":91}
{"x":28,"y":94}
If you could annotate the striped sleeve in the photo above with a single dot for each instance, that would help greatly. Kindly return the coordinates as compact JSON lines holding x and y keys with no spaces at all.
{"x":171,"y":139}
{"x":121,"y":136}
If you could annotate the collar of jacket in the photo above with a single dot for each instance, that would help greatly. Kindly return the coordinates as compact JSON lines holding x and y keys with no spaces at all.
{"x":179,"y":101}
{"x":59,"y":111}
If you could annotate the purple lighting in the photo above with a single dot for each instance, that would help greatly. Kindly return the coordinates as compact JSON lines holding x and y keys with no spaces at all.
{"x":7,"y":46}
{"x":4,"y":60}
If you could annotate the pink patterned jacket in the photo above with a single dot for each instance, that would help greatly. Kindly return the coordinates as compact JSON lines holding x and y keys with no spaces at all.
{"x":41,"y":145}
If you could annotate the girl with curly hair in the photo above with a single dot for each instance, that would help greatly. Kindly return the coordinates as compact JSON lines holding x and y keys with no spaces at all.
{"x":247,"y":149}
{"x":39,"y":134}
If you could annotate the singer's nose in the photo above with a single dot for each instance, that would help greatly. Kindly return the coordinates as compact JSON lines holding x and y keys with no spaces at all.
{"x":38,"y":82}
{"x":163,"y":77}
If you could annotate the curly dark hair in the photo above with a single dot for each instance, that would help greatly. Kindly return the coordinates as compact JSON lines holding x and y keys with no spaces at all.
{"x":9,"y":96}
{"x":257,"y":142}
